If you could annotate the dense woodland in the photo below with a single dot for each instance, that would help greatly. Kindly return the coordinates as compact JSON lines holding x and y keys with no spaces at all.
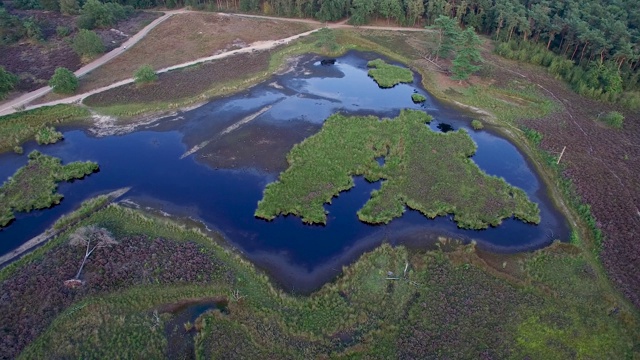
{"x":601,"y":36}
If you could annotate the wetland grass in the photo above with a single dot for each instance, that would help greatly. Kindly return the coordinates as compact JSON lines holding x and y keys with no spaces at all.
{"x":34,"y":186}
{"x":17,"y":128}
{"x":404,"y":304}
{"x":387,"y":75}
{"x":424,"y":170}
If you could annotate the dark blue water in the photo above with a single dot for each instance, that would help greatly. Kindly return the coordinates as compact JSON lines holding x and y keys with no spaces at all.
{"x":225,"y":198}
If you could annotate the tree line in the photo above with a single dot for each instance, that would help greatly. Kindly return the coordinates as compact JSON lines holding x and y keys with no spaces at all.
{"x":601,"y":38}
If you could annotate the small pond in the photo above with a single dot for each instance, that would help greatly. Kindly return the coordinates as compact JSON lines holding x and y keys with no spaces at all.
{"x":213,"y":162}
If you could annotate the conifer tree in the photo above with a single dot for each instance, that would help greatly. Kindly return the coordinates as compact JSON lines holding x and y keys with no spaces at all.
{"x":449,"y":31}
{"x":468,"y":55}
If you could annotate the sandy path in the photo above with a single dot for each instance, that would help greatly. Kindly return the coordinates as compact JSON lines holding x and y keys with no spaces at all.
{"x":11,"y":106}
{"x":257,"y":46}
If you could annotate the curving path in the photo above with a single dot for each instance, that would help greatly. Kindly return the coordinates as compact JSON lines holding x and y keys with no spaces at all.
{"x":9,"y":107}
{"x":12,"y":106}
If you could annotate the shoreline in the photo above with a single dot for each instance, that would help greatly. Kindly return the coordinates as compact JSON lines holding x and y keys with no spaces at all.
{"x":37,"y":241}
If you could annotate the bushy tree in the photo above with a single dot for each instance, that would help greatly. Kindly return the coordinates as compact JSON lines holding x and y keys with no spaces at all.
{"x":27,"y":4}
{"x":63,"y":81}
{"x":448,"y":34}
{"x":145,"y":74}
{"x":32,"y":29}
{"x":98,"y":14}
{"x":468,"y":56}
{"x":87,"y":44}
{"x":249,"y":5}
{"x":326,"y":39}
{"x":361,"y":11}
{"x":11,"y":28}
{"x":69,"y":7}
{"x":7,"y":82}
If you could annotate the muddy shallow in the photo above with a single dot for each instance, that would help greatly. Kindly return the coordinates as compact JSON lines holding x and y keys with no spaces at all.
{"x":212,"y":164}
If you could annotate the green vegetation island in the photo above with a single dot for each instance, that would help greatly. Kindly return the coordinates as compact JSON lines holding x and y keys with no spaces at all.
{"x":34,"y":186}
{"x":387,"y":75}
{"x":423,"y":170}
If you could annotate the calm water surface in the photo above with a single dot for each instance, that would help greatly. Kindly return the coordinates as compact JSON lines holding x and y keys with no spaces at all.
{"x":221,"y":183}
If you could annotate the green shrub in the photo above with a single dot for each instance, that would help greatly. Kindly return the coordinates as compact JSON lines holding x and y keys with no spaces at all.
{"x":87,"y":44}
{"x":63,"y":81}
{"x":534,"y":136}
{"x":34,"y":186}
{"x":418,"y":98}
{"x":326,"y":39}
{"x":613,"y":119}
{"x":145,"y":74}
{"x":7,"y":82}
{"x":98,"y":14}
{"x":86,"y":22}
{"x":476,"y":124}
{"x":63,"y":31}
{"x":69,"y":7}
{"x":18,"y":150}
{"x":32,"y":29}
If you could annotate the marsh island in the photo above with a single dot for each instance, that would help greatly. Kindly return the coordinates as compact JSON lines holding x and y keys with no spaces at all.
{"x":427,"y":171}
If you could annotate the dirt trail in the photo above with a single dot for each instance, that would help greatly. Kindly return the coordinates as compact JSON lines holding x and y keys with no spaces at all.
{"x":11,"y":106}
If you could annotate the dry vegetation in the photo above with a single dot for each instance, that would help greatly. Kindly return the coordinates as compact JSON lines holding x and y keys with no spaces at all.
{"x":35,"y":62}
{"x":186,"y":37}
{"x":184,"y":83}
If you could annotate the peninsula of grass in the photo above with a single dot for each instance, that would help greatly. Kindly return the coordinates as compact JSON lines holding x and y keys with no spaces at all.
{"x":391,"y":303}
{"x":427,"y":171}
{"x":17,"y":128}
{"x":387,"y":75}
{"x":418,"y":98}
{"x":48,"y":135}
{"x":34,"y":186}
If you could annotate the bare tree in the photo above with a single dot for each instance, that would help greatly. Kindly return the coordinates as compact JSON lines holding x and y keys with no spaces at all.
{"x":91,"y":237}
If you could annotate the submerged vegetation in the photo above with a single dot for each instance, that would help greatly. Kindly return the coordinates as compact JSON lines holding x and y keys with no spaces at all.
{"x":34,"y":185}
{"x":424,"y":170}
{"x":387,"y":75}
{"x":17,"y":128}
{"x":392,"y":303}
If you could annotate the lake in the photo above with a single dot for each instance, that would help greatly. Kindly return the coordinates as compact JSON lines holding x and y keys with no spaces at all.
{"x":212,"y":163}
